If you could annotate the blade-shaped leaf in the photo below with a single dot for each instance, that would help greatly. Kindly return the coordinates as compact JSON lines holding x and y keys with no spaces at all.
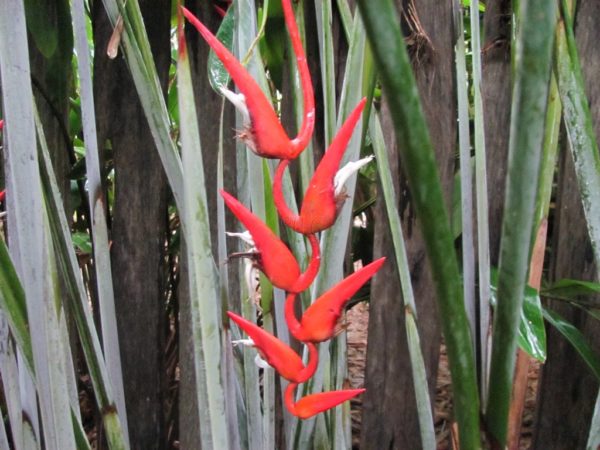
{"x":576,"y":339}
{"x":203,"y":277}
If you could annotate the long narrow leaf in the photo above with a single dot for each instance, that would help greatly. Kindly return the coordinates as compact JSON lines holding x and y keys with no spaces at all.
{"x":30,"y":226}
{"x":466,"y":178}
{"x":203,"y":278}
{"x":481,"y":193}
{"x":530,"y":92}
{"x":576,"y":339}
{"x":420,"y":167}
{"x":580,"y":131}
{"x":416,"y":356}
{"x":97,"y":207}
{"x":250,"y":192}
{"x":77,"y":301}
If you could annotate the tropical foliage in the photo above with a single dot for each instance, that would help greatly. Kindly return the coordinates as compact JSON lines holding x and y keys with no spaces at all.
{"x":434,"y":143}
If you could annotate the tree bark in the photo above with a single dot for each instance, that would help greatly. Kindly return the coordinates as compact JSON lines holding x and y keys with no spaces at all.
{"x":567,"y":389}
{"x":496,"y":88}
{"x":390,"y":419}
{"x":139,"y":224}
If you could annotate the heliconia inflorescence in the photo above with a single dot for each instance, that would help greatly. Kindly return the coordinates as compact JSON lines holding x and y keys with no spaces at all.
{"x":321,"y":204}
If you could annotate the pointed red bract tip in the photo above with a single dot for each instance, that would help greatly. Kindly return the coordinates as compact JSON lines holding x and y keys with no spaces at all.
{"x":315,"y":403}
{"x":274,"y":259}
{"x":1,"y":124}
{"x":320,"y":206}
{"x":318,"y":323}
{"x":267,"y":138}
{"x":220,"y":11}
{"x":2,"y":195}
{"x":279,"y":356}
{"x":308,"y":122}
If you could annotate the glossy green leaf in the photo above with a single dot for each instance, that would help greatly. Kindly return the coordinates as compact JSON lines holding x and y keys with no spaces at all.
{"x":532,"y":334}
{"x":217,"y":74}
{"x":576,"y":339}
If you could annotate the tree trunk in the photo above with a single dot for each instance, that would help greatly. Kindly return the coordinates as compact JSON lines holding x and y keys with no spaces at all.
{"x":390,"y":419}
{"x":139,"y":224}
{"x":51,"y":76}
{"x":568,"y":389}
{"x":496,"y":87}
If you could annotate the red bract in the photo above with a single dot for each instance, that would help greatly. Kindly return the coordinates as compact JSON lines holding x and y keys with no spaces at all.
{"x":319,"y":321}
{"x":265,"y":136}
{"x":220,"y":11}
{"x":320,"y":205}
{"x":2,"y":195}
{"x":272,"y":256}
{"x":279,"y":356}
{"x":315,"y":403}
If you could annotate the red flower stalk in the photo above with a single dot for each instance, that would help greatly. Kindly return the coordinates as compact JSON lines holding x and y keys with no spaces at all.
{"x":309,"y":275}
{"x":272,"y":255}
{"x":319,"y":321}
{"x":277,"y":354}
{"x":265,"y":135}
{"x":315,"y":403}
{"x":220,"y":11}
{"x":323,"y":199}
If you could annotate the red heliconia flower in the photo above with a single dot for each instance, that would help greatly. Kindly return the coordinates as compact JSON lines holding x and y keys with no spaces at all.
{"x":314,"y":404}
{"x":322,"y":199}
{"x":277,"y":354}
{"x":272,"y":255}
{"x":319,"y":321}
{"x":2,"y":195}
{"x":265,"y":135}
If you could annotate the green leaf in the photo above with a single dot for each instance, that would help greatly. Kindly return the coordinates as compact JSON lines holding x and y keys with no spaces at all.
{"x":203,"y":276}
{"x":39,"y":23}
{"x":82,"y":241}
{"x":12,"y":304}
{"x":419,"y":164}
{"x":217,"y":74}
{"x":580,"y":127}
{"x":568,"y":288}
{"x":576,"y":339}
{"x":532,"y":334}
{"x":533,"y":62}
{"x":467,"y":3}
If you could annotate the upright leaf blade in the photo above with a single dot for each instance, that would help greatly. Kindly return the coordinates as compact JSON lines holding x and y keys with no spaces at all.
{"x":204,"y":284}
{"x":29,"y":227}
{"x":420,"y":167}
{"x":530,"y":92}
{"x":97,"y":207}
